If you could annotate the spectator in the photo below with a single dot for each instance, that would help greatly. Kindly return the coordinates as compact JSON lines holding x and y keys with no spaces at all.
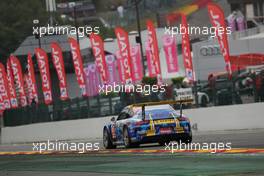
{"x":258,"y":87}
{"x":262,"y":88}
{"x":120,"y":10}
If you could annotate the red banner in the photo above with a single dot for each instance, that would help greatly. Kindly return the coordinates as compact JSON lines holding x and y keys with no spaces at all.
{"x":217,"y":18}
{"x":18,"y":78}
{"x":11,"y":86}
{"x":98,"y":51}
{"x":27,"y":88}
{"x":121,"y":67}
{"x":137,"y":69}
{"x":43,"y":65}
{"x":170,"y":49}
{"x":58,"y":62}
{"x":92,"y":80}
{"x":186,"y":51}
{"x":150,"y":61}
{"x":32,"y":85}
{"x":112,"y":71}
{"x":78,"y":65}
{"x":4,"y":92}
{"x":123,"y":44}
{"x":153,"y":43}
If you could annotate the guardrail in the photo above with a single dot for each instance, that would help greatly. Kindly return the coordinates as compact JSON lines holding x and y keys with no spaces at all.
{"x":247,"y":32}
{"x":77,"y":108}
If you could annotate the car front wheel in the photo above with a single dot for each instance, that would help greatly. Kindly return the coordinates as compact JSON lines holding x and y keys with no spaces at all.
{"x":186,"y":139}
{"x":126,"y":137}
{"x":107,"y":141}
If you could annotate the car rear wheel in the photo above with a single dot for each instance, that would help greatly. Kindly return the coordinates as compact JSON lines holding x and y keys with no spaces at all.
{"x":126,"y":137}
{"x":164,"y":142}
{"x":186,"y":139}
{"x":204,"y":101}
{"x":107,"y":141}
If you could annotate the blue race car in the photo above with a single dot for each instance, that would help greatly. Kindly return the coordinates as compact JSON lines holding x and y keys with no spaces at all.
{"x":147,"y":123}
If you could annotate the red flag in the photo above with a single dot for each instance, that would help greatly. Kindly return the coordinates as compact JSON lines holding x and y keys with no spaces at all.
{"x":186,"y":50}
{"x":121,"y":67}
{"x":18,"y":78}
{"x":112,"y":71}
{"x":98,"y":51}
{"x":217,"y":18}
{"x":150,"y":61}
{"x":43,"y":65}
{"x":153,"y":43}
{"x":32,"y":85}
{"x":58,"y":62}
{"x":4,"y":92}
{"x":78,"y":65}
{"x":170,"y":50}
{"x":27,"y":88}
{"x":11,"y":86}
{"x":123,"y":44}
{"x":137,"y":69}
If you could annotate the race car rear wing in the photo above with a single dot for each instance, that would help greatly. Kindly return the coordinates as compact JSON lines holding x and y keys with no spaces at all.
{"x":143,"y":105}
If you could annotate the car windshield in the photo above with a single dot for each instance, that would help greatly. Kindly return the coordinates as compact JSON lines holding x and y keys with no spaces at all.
{"x":158,"y":112}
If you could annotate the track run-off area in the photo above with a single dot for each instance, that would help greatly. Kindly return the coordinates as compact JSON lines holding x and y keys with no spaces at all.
{"x":245,"y":158}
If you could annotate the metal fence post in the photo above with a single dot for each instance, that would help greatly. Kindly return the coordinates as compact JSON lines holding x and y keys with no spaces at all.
{"x":99,"y":104}
{"x":110,"y":104}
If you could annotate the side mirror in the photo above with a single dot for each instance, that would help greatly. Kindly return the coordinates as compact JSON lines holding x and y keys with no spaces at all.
{"x":113,"y":119}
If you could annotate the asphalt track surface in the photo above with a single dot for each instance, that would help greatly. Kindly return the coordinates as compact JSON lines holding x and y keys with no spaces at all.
{"x":245,"y":158}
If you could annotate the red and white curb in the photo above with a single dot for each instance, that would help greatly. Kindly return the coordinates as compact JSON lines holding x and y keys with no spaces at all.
{"x":139,"y":151}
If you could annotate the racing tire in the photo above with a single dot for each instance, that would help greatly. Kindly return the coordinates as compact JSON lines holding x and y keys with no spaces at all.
{"x":164,"y":142}
{"x":186,"y":139}
{"x":108,"y":144}
{"x":126,"y":138}
{"x":204,"y":101}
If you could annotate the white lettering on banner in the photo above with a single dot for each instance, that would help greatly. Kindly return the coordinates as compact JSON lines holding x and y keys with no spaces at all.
{"x":218,"y":25}
{"x":2,"y":86}
{"x":187,"y":54}
{"x":151,"y":44}
{"x":16,"y":76}
{"x":23,"y":99}
{"x":216,"y":21}
{"x":43,"y":69}
{"x":32,"y":88}
{"x":110,"y":60}
{"x":99,"y":58}
{"x":77,"y":64}
{"x":3,"y":92}
{"x":58,"y":66}
{"x":169,"y":43}
{"x":10,"y":85}
{"x":11,"y":90}
{"x":170,"y":58}
{"x":124,"y":55}
{"x":151,"y":60}
{"x":134,"y":52}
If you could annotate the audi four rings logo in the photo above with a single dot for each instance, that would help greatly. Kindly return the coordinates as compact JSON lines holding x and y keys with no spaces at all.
{"x":210,"y":50}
